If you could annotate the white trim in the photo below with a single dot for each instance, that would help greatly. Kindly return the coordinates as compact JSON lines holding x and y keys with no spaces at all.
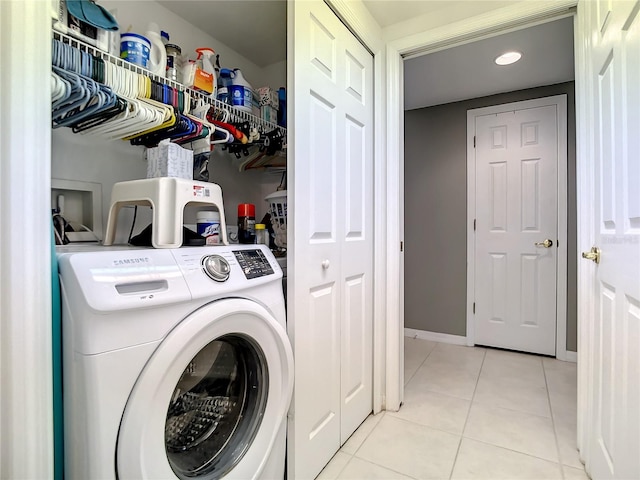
{"x":585,"y":181}
{"x":394,"y":294}
{"x":570,"y":357}
{"x":358,"y":19}
{"x":471,"y":234}
{"x":494,"y":22}
{"x":560,"y":102}
{"x":26,"y":385}
{"x":563,"y":229}
{"x":435,"y":336}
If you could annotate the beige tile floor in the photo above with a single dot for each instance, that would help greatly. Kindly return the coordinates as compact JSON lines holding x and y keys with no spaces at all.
{"x":470,"y":413}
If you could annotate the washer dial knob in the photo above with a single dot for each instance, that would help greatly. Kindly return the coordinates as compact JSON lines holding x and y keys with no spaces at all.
{"x":216,"y":267}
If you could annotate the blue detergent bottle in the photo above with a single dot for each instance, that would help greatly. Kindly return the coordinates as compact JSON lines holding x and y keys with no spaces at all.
{"x":241,"y":92}
{"x":224,"y":82}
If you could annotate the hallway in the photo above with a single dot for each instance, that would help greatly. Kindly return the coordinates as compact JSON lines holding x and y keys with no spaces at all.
{"x":470,"y":413}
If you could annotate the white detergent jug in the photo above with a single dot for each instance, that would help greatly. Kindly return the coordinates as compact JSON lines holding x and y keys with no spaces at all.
{"x":157,"y":62}
{"x":240,"y":91}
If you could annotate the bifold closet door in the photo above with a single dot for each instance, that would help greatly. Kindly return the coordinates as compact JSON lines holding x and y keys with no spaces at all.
{"x":331,"y":306}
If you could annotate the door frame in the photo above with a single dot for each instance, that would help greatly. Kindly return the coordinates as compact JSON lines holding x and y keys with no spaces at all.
{"x":489,"y":24}
{"x":26,"y":342}
{"x":560,"y":101}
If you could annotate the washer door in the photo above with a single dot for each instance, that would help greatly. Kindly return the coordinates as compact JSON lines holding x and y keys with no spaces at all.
{"x":211,"y":399}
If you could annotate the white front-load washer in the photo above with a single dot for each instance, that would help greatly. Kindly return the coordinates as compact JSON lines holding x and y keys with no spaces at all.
{"x":176,"y":363}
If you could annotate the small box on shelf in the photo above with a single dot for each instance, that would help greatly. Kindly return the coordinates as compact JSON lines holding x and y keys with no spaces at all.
{"x":269,"y":114}
{"x":169,"y":160}
{"x":268,"y":96}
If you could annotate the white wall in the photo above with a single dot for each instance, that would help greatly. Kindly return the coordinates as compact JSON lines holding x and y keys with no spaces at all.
{"x":274,"y":76}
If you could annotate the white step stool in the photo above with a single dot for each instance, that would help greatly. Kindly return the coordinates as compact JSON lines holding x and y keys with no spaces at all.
{"x":167,"y":196}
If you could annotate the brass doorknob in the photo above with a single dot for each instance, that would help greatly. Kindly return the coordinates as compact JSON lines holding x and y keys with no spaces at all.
{"x":593,"y":255}
{"x":546,"y":244}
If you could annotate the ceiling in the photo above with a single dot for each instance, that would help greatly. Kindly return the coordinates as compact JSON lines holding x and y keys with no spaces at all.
{"x":469,"y":71}
{"x":450,"y":75}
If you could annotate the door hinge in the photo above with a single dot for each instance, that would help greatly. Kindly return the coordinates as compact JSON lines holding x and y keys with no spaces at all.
{"x":474,"y":224}
{"x":474,"y":141}
{"x":474,"y":307}
{"x":401,"y":246}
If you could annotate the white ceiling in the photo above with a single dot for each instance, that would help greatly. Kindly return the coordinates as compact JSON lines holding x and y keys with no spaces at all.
{"x":468,"y":71}
{"x":256,"y":29}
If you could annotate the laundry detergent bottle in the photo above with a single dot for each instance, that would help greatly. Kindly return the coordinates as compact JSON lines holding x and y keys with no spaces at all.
{"x":224,"y":84}
{"x":240,"y":91}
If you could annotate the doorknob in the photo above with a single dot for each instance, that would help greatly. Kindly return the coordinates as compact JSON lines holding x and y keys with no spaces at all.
{"x":546,"y":244}
{"x":594,"y":254}
{"x":325,"y":264}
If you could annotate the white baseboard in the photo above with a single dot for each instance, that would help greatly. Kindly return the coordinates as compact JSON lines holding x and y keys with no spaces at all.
{"x":435,"y":336}
{"x":571,"y":357}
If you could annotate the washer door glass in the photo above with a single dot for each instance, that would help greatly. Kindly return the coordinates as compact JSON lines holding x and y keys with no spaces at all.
{"x":216,"y":408}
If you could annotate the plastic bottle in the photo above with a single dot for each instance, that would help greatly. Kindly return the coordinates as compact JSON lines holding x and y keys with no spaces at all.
{"x":173,"y":53}
{"x":165,"y":37}
{"x":208,"y":225}
{"x":247,"y":223}
{"x":282,"y":107}
{"x":262,"y":234}
{"x":224,"y":83}
{"x":205,"y":62}
{"x":241,"y":92}
{"x":158,"y":55}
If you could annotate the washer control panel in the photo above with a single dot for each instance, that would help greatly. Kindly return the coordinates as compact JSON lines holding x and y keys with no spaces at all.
{"x":253,"y":263}
{"x":216,"y":267}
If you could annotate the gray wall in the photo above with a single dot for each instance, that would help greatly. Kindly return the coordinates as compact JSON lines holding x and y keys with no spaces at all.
{"x":435,"y":233}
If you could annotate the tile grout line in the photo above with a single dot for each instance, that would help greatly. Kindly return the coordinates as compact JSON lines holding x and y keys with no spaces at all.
{"x":383,"y":466}
{"x":455,"y":459}
{"x":384,"y":413}
{"x":553,"y":420}
{"x":370,"y":461}
{"x":406,"y":382}
{"x":344,"y":466}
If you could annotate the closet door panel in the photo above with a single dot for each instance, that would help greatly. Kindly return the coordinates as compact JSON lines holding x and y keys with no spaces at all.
{"x":331,"y":204}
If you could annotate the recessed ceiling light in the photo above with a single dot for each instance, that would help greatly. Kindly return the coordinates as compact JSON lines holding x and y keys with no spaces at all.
{"x":508,"y":58}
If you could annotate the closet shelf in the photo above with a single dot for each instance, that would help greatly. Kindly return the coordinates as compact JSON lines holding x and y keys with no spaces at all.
{"x":195,"y":94}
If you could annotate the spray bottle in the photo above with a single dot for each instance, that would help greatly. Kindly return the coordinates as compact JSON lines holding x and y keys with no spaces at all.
{"x":204,"y":61}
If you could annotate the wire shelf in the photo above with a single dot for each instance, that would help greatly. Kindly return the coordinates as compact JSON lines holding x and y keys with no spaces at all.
{"x":237,"y":114}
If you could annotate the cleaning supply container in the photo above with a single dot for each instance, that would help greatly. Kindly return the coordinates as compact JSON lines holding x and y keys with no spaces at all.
{"x":208,"y":225}
{"x":157,"y":63}
{"x":241,"y":92}
{"x":224,"y":84}
{"x":135,"y":48}
{"x":205,"y":75}
{"x":246,"y":223}
{"x":173,"y":53}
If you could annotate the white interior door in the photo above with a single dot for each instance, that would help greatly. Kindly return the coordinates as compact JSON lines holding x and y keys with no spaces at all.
{"x":516,"y":239}
{"x":613,"y":27}
{"x":331,"y":200}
